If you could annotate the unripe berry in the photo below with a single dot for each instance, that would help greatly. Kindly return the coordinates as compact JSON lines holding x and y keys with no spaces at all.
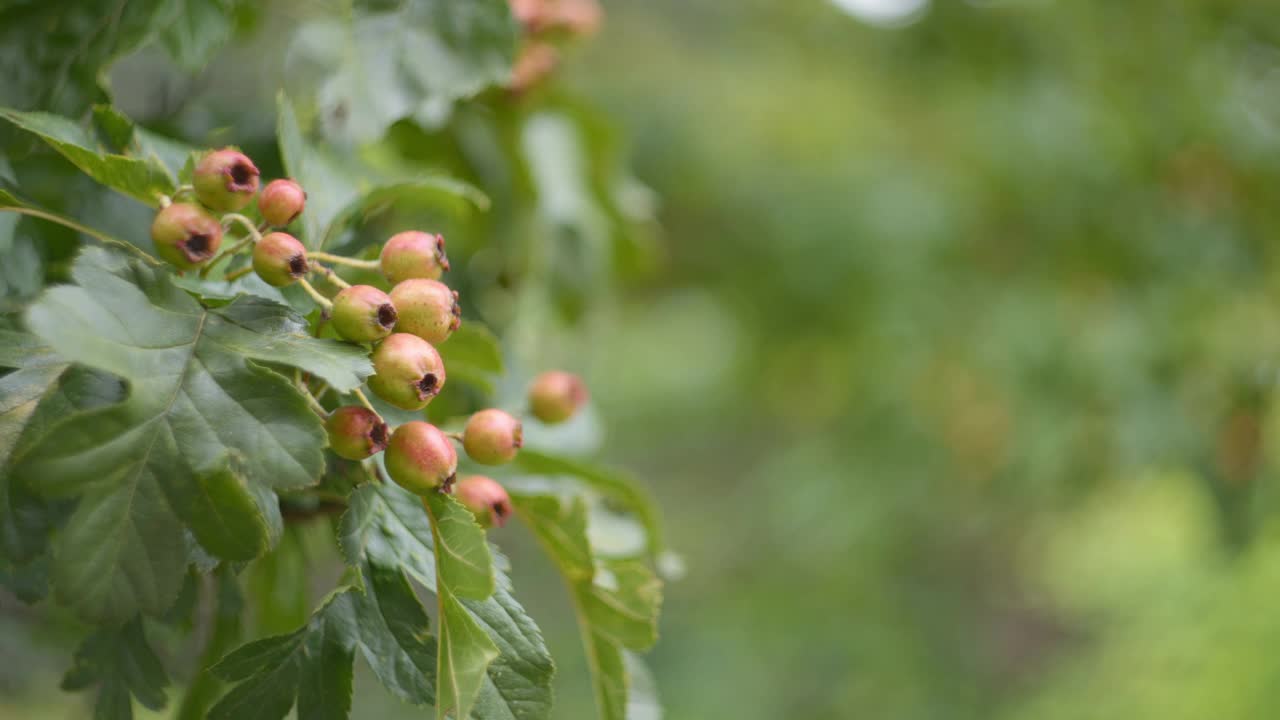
{"x":420,"y":458}
{"x":407,"y":371}
{"x":414,"y":254}
{"x":486,"y":499}
{"x":363,"y":313}
{"x":186,"y":235}
{"x":356,"y":432}
{"x":426,"y":308}
{"x":492,"y":437}
{"x":279,"y":259}
{"x":281,"y":202}
{"x":225,"y":180}
{"x":556,"y":395}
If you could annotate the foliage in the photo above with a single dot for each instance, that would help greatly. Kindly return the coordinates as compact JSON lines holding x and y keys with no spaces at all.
{"x":162,"y":469}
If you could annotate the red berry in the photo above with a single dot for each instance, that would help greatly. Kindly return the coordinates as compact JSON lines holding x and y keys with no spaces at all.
{"x":363,"y":313}
{"x":186,"y":235}
{"x":356,"y":432}
{"x":420,"y":458}
{"x":407,"y":371}
{"x":279,"y":259}
{"x":426,"y":308}
{"x":486,"y":499}
{"x":556,"y":395}
{"x":225,"y":180}
{"x":281,"y":202}
{"x":414,"y":254}
{"x":492,"y":437}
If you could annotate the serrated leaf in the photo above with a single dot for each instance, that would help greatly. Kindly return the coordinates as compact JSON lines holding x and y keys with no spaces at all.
{"x":463,"y":563}
{"x":616,"y":601}
{"x":142,"y":179}
{"x":114,"y":126}
{"x":414,"y":61}
{"x":394,"y":635}
{"x":387,"y":527}
{"x":123,"y":664}
{"x":464,"y":568}
{"x":195,"y":404}
{"x":612,"y":484}
{"x":310,"y":667}
{"x":12,"y":203}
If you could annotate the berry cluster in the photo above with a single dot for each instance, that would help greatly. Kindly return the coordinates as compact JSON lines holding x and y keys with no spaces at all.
{"x":403,"y":328}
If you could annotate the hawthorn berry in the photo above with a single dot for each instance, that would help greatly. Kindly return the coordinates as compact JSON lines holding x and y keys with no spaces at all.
{"x":363,"y":313}
{"x":186,"y":235}
{"x":356,"y":432}
{"x":414,"y":254}
{"x":281,"y":201}
{"x":486,"y":499}
{"x":280,"y":259}
{"x":555,"y":395}
{"x":407,"y":371}
{"x":420,"y":458}
{"x":225,"y":180}
{"x":426,"y":308}
{"x":492,"y":437}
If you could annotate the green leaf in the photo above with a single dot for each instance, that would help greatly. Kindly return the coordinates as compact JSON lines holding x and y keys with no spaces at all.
{"x":311,"y":666}
{"x":464,"y":568}
{"x":13,"y":204}
{"x":612,"y":484}
{"x":142,"y":179}
{"x":204,"y":434}
{"x":52,"y":55}
{"x":449,"y":193}
{"x":463,"y":563}
{"x":414,"y":61}
{"x":341,"y":191}
{"x":616,"y":601}
{"x":123,"y":664}
{"x":227,"y":627}
{"x":192,"y":31}
{"x":25,"y":518}
{"x":472,"y":355}
{"x":394,"y":635}
{"x":386,"y":527}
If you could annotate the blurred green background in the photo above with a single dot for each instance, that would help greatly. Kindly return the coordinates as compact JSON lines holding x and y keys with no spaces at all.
{"x":953,"y":369}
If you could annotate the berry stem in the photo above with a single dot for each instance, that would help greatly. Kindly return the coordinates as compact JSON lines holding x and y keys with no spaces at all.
{"x":330,"y":275}
{"x":320,"y":300}
{"x":237,"y":274}
{"x":165,"y":201}
{"x":244,"y":222}
{"x":312,"y":402}
{"x":454,"y":436}
{"x":364,"y":400}
{"x":204,"y":271}
{"x":340,"y":260}
{"x":183,"y":190}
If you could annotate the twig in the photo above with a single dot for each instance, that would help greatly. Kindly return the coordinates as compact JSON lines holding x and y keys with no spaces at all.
{"x":340,"y":260}
{"x":330,"y":275}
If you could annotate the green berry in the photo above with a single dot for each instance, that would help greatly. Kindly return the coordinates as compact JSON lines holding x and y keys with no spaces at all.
{"x":414,"y":254}
{"x":426,"y":308}
{"x":356,"y":432}
{"x":280,"y":259}
{"x":363,"y":313}
{"x":186,"y":235}
{"x":486,"y":499}
{"x":225,"y":180}
{"x":281,"y":201}
{"x":492,"y":437}
{"x":421,"y":459}
{"x":407,"y":371}
{"x":556,"y":395}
